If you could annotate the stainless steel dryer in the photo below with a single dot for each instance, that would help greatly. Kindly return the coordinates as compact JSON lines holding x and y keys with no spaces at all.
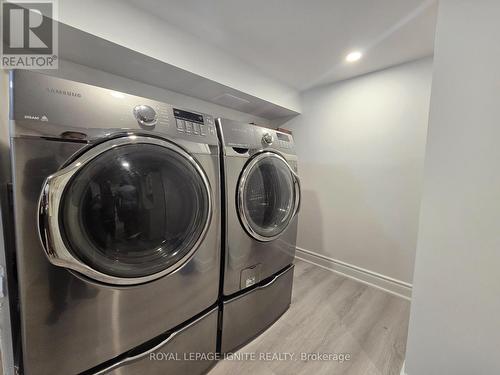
{"x":262,"y":193}
{"x":116,"y":204}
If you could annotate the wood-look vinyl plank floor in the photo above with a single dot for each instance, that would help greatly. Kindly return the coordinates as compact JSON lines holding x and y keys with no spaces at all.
{"x":330,"y":313}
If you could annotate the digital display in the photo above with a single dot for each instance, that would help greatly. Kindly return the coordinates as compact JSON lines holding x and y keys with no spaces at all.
{"x":283,"y":137}
{"x":185,"y":115}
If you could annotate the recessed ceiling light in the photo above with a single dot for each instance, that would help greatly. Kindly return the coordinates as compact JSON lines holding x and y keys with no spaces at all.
{"x":353,"y":56}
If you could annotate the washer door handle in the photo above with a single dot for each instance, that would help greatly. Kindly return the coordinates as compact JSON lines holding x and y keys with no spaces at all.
{"x":48,"y":205}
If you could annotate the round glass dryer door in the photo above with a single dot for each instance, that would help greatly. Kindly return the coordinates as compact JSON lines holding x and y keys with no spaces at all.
{"x":268,"y":196}
{"x":128,"y":211}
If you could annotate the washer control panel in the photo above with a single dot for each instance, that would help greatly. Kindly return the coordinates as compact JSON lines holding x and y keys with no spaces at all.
{"x":56,"y":101}
{"x":191,"y":123}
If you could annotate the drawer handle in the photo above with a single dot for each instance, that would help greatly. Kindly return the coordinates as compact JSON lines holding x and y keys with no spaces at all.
{"x":131,"y":359}
{"x":137,"y":357}
{"x":273,"y":280}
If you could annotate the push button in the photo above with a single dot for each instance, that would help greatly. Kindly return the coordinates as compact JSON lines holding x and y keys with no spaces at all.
{"x":180,"y":125}
{"x":203,"y":130}
{"x":196,"y":128}
{"x":189,"y":127}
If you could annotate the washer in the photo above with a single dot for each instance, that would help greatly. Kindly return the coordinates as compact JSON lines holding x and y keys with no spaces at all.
{"x":116,"y":206}
{"x":262,"y":199}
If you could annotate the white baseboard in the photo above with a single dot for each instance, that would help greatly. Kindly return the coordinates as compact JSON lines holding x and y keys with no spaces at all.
{"x":403,"y":372}
{"x":388,"y":284}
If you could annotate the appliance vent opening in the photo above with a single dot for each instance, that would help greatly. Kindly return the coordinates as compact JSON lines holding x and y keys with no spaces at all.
{"x":229,"y":100}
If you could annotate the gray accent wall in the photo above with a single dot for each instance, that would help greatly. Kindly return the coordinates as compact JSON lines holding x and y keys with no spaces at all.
{"x":360,"y":145}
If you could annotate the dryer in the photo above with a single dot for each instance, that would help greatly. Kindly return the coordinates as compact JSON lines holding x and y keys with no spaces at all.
{"x":262,"y":199}
{"x":116,"y":206}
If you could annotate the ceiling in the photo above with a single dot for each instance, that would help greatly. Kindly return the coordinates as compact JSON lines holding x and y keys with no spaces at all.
{"x":304,"y":43}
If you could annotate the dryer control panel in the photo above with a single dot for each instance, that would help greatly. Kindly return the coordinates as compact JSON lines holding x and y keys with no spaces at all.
{"x":247,"y":136}
{"x":270,"y":138}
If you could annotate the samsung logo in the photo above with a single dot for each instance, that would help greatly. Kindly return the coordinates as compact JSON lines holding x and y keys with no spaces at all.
{"x":64,"y":92}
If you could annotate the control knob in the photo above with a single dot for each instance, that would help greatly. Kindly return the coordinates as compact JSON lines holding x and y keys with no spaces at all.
{"x":267,"y":138}
{"x":145,"y":115}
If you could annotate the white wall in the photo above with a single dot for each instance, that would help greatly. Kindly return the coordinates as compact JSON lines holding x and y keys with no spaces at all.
{"x":76,"y":72}
{"x":454,"y":324}
{"x":122,"y":23}
{"x":361,"y":147}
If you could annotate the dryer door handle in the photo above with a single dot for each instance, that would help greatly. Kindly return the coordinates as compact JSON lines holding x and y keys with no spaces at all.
{"x":297,"y":190}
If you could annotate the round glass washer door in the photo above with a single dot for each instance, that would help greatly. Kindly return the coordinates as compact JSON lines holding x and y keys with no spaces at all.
{"x":268,"y":196}
{"x":127,"y":211}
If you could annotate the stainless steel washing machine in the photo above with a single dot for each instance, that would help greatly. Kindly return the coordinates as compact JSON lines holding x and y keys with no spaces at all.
{"x":262,"y":199}
{"x":116,"y":205}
